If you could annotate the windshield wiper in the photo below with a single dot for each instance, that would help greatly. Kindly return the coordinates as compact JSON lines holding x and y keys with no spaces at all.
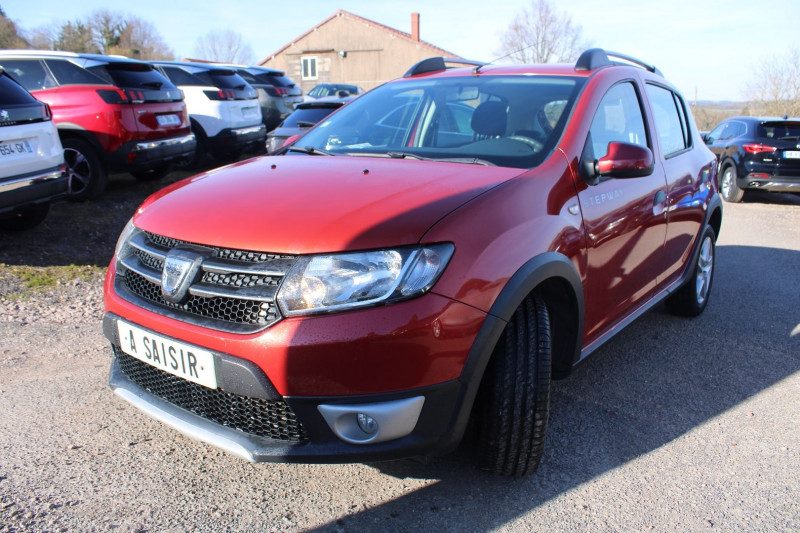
{"x":310,"y":150}
{"x":466,"y":160}
{"x":305,"y":123}
{"x":154,"y":84}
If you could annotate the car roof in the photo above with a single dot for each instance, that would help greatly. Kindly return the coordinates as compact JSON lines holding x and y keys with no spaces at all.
{"x":100,"y":58}
{"x":195,"y":65}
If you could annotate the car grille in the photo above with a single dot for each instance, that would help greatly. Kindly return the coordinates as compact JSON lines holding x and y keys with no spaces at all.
{"x":273,"y":419}
{"x":234,"y":291}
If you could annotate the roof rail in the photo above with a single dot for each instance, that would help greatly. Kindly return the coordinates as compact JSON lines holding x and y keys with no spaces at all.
{"x":597,"y":57}
{"x":436,"y":64}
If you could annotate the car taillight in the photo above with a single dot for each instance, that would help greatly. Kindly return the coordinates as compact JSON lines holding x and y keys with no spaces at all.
{"x":221,"y":94}
{"x":46,"y":113}
{"x":118,"y":96}
{"x":276,"y":91}
{"x":756,"y":148}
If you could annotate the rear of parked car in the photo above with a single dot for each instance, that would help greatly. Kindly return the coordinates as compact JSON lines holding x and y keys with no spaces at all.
{"x":223,"y":109}
{"x":756,"y":153}
{"x":32,"y":171}
{"x":277,"y":94}
{"x":113,"y":114}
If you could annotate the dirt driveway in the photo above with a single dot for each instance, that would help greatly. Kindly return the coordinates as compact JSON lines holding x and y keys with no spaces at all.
{"x":675,"y":424}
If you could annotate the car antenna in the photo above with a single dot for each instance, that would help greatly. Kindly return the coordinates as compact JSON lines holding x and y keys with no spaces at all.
{"x":478,"y":68}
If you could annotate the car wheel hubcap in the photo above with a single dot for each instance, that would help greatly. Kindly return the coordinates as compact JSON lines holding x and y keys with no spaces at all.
{"x":727,"y":179}
{"x":705,"y":267}
{"x":79,"y":171}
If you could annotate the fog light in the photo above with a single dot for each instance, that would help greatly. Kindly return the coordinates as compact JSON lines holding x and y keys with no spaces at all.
{"x":367,"y":424}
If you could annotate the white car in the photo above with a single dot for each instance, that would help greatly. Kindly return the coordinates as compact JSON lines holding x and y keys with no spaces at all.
{"x":32,"y":169}
{"x":223,"y":109}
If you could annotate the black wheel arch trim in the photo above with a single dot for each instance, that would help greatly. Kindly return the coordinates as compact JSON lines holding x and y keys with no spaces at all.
{"x":534,"y":273}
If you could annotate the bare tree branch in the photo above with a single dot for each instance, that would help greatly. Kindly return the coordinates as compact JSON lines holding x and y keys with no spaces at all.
{"x":224,"y":46}
{"x":776,"y":88}
{"x":538,"y":34}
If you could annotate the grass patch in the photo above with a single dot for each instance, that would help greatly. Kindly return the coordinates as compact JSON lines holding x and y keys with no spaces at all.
{"x":25,"y":280}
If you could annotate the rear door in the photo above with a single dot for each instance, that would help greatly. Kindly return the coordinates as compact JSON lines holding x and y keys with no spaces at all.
{"x":688,"y":171}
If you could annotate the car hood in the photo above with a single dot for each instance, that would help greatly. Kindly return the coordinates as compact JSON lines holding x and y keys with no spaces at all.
{"x":307,"y":204}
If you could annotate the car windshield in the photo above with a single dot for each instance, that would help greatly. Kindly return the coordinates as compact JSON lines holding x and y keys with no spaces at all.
{"x":509,"y":121}
{"x":323,"y":89}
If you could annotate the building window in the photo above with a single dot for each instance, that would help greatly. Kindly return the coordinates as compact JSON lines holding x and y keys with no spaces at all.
{"x":310,"y":68}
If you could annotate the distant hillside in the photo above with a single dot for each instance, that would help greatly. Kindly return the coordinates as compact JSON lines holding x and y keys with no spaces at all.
{"x":708,"y":114}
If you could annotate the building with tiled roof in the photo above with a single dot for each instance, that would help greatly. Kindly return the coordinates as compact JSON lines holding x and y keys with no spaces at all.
{"x":346,"y":48}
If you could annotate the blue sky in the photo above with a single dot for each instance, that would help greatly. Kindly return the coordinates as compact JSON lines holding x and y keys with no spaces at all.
{"x":710,"y":49}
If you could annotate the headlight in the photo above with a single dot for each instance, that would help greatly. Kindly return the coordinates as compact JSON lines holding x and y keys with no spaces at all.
{"x":123,"y":238}
{"x":325,"y":283}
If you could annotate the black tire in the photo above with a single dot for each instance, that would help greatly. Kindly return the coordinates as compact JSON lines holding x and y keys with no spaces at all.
{"x":691,"y":299}
{"x":27,"y":218}
{"x":197,"y":158}
{"x":152,"y":174}
{"x":514,"y":399}
{"x":728,"y":188}
{"x":86,"y":175}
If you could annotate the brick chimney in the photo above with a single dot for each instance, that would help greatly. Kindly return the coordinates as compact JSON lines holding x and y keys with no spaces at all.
{"x":415,"y":26}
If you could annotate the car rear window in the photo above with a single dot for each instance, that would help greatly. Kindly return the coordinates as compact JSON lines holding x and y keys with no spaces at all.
{"x":276,"y":80}
{"x":132,"y":76}
{"x":785,"y":130}
{"x":309,"y":115}
{"x":222,"y":79}
{"x":11,"y":93}
{"x":17,"y":105}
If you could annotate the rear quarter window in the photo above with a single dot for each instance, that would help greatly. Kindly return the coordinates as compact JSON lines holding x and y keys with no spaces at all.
{"x":68,"y":73}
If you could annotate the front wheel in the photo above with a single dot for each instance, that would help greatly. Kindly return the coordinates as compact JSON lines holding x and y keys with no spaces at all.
{"x":514,"y":399}
{"x":728,"y":188}
{"x":691,"y":299}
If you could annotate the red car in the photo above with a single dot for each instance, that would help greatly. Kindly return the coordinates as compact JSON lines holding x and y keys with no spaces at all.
{"x":113,"y":114}
{"x":434,"y":252}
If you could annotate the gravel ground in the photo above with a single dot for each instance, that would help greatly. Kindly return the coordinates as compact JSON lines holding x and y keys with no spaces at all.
{"x":675,"y":424}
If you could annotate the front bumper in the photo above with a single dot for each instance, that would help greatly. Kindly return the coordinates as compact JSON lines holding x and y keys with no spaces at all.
{"x":319,"y":429}
{"x":147,"y":154}
{"x":43,"y":186}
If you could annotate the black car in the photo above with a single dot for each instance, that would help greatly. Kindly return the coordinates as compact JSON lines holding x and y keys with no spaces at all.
{"x":756,"y":153}
{"x":304,"y":117}
{"x":277,"y":93}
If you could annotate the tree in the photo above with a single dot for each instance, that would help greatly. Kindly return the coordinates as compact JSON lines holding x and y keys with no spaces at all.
{"x":224,"y":46}
{"x":107,"y":28}
{"x":75,"y":37}
{"x":776,"y":89}
{"x":538,"y":34}
{"x":140,"y":40}
{"x":9,"y":35}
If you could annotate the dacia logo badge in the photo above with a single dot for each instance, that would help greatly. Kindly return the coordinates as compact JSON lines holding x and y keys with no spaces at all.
{"x":4,"y":116}
{"x":181,"y":267}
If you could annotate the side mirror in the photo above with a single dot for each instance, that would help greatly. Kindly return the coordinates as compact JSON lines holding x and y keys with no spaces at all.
{"x":625,"y":160}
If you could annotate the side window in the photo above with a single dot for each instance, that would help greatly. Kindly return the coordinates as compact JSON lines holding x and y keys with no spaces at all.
{"x":669,"y":118}
{"x":30,"y":73}
{"x":618,"y":119}
{"x":68,"y":73}
{"x":310,"y":68}
{"x":716,"y":133}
